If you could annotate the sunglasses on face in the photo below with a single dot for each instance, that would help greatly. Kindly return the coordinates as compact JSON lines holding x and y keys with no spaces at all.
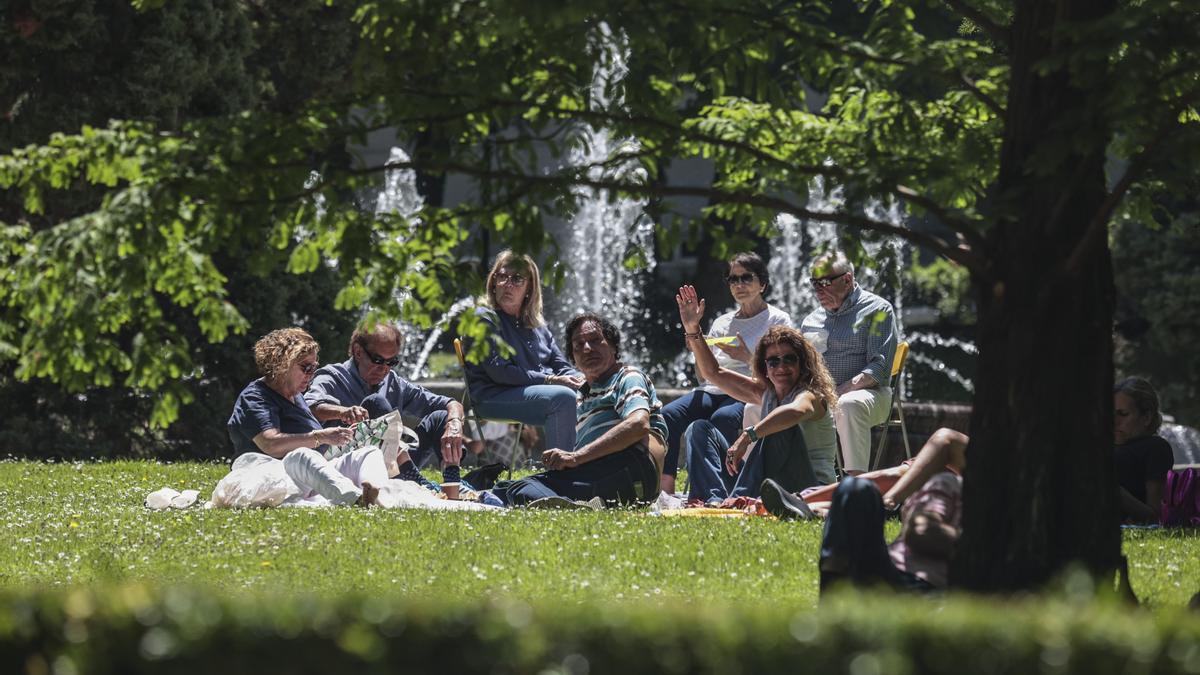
{"x":746,"y":278}
{"x":774,"y":362}
{"x":308,"y":368}
{"x":380,"y":361}
{"x":826,"y":282}
{"x":514,"y":279}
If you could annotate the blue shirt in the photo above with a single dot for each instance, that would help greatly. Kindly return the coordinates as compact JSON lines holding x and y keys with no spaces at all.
{"x":605,"y":404}
{"x":259,"y":408}
{"x":858,"y":337}
{"x":536,"y":356}
{"x":340,"y":384}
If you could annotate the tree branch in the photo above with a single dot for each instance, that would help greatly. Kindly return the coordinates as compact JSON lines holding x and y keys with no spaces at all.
{"x":940,"y":246}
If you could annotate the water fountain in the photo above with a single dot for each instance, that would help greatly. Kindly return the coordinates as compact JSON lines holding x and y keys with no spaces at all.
{"x":607,"y":229}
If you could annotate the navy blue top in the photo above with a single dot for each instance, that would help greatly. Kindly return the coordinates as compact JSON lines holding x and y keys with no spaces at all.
{"x":259,"y":408}
{"x":1143,"y":459}
{"x":340,"y":384}
{"x":536,"y":356}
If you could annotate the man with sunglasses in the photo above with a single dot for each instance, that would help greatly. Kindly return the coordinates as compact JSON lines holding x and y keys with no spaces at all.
{"x":367,"y":387}
{"x":855,"y":332}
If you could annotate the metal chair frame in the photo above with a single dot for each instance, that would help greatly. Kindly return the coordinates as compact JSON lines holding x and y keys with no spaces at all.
{"x":896,"y":418}
{"x":472,"y":416}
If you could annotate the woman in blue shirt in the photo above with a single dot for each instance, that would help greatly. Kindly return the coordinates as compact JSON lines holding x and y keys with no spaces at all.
{"x":270,"y":416}
{"x":536,"y":384}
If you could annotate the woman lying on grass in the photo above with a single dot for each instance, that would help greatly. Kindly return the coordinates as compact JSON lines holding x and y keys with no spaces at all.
{"x":270,"y":416}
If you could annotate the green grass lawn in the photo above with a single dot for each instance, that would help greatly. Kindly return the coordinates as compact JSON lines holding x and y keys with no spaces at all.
{"x":83,"y":524}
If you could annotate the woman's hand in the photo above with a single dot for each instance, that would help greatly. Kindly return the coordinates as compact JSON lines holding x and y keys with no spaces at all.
{"x":572,"y":381}
{"x":736,"y":454}
{"x":557,"y":460}
{"x":737,"y":351}
{"x":691,"y":308}
{"x":332,"y":435}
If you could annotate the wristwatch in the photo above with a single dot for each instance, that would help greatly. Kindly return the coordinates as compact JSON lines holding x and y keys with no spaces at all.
{"x":751,"y":434}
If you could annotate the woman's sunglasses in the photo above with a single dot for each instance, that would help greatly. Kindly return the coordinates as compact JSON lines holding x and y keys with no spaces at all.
{"x":746,"y":278}
{"x":787,"y":359}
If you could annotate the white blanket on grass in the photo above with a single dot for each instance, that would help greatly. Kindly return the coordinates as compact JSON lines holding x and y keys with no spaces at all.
{"x":257,"y":480}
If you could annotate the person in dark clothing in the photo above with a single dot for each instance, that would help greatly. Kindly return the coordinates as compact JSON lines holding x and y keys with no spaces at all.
{"x":1141,"y":458}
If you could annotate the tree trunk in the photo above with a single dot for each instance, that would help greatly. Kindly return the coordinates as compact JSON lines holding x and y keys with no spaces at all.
{"x":1040,"y":491}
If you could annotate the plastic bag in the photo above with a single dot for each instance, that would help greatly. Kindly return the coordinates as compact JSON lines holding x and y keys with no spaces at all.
{"x":255,"y":480}
{"x":169,"y":498}
{"x":388,"y":433}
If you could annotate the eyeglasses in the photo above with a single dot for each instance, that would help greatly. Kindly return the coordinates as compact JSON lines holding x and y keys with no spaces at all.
{"x":826,"y":282}
{"x":514,"y":279}
{"x":380,"y":361}
{"x":774,"y":362}
{"x":308,"y":368}
{"x":746,"y":278}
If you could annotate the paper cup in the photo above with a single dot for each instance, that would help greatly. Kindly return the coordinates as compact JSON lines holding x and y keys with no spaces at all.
{"x":450,"y":490}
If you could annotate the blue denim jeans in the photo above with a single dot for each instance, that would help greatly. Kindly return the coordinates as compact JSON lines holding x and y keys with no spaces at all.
{"x":725,"y":412}
{"x":782,"y":457}
{"x":551,"y":406}
{"x":625,"y":477}
{"x":852,"y":547}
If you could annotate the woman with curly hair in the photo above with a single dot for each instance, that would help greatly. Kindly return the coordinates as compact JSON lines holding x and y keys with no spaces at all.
{"x":796,"y":393}
{"x":271,"y":417}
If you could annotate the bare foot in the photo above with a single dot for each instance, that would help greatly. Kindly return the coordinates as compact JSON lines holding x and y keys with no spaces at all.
{"x":370,"y":494}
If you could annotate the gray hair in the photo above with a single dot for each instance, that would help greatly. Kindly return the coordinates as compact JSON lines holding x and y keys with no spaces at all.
{"x":831,"y":263}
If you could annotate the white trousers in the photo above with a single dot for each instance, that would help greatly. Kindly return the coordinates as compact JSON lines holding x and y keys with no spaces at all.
{"x":338,"y":480}
{"x":857,"y":411}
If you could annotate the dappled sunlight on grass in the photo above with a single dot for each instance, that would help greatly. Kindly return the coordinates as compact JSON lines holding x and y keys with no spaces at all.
{"x":84,"y":523}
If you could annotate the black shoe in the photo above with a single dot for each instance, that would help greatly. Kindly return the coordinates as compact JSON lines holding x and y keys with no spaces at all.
{"x":783,"y":504}
{"x":484,"y":478}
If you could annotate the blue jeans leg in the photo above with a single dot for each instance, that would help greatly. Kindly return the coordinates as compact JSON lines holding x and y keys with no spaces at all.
{"x":706,"y":462}
{"x":547,"y":405}
{"x":723,"y":411}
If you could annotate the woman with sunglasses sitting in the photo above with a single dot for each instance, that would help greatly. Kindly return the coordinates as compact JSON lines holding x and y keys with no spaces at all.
{"x":795,"y":390}
{"x":535,"y":384}
{"x":734,"y":336}
{"x":270,"y":416}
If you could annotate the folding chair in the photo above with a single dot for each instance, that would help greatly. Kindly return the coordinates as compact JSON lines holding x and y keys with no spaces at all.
{"x":896,"y":418}
{"x":513,"y":450}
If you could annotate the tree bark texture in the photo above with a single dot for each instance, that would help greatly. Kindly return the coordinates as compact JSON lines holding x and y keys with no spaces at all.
{"x":1040,"y":492}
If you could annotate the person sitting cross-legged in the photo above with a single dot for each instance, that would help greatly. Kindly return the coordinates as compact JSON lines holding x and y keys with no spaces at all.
{"x":365,"y":387}
{"x":620,"y":438}
{"x":796,"y":393}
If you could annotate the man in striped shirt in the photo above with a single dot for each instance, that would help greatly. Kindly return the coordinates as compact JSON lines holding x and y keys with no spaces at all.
{"x":620,"y":434}
{"x":855,"y":331}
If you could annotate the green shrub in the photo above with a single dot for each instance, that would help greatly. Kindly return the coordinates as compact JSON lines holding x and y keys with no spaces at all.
{"x":142,"y":629}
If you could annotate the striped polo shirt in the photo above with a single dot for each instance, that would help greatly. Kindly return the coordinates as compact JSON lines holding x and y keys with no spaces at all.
{"x":603,"y":405}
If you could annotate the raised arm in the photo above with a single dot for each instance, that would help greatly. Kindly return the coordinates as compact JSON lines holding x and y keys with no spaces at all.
{"x":691,"y":309}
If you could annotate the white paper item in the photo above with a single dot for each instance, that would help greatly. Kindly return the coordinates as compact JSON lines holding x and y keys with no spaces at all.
{"x":161,"y":499}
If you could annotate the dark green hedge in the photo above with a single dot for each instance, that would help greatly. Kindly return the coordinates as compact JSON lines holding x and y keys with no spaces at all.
{"x":138,"y":629}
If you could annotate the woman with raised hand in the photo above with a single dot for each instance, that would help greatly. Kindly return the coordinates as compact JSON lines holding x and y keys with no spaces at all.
{"x":535,"y":384}
{"x":796,"y":393}
{"x":271,"y":417}
{"x":733,"y":337}
{"x":1141,"y":457}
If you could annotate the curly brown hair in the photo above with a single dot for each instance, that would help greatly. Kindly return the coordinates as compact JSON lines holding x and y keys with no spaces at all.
{"x":814,"y":376}
{"x":276,"y":351}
